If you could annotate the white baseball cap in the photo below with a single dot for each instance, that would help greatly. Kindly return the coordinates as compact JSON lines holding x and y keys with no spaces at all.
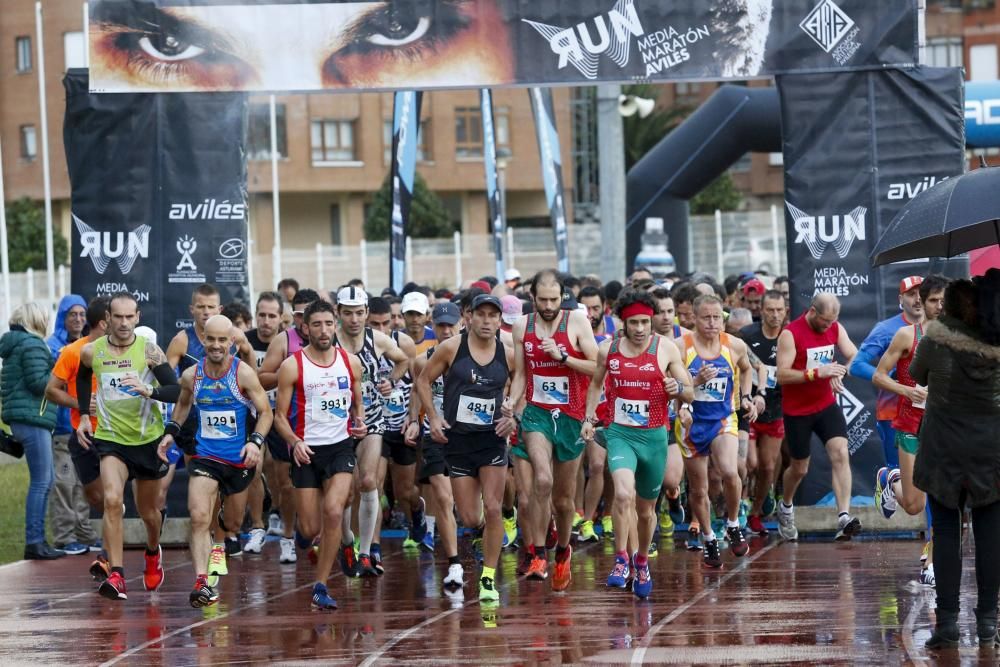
{"x":511,"y":274}
{"x":146,"y":333}
{"x":352,"y":296}
{"x":415,"y":302}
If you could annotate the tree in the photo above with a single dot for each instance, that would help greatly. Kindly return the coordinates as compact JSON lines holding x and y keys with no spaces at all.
{"x":26,"y":237}
{"x":428,"y":216}
{"x":721,"y":194}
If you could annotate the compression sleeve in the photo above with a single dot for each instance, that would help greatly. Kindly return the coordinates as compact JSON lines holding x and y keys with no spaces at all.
{"x":169,"y":390}
{"x":863,"y":365}
{"x":84,"y":378}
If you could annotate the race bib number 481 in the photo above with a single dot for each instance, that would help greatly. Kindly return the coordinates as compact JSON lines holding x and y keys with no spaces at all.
{"x":476,"y":411}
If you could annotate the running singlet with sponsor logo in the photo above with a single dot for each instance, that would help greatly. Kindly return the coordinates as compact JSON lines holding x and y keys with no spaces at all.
{"x":716,"y":399}
{"x":473,"y":394}
{"x":123,"y":416}
{"x":634,"y":387}
{"x":371,"y":369}
{"x":552,"y":384}
{"x":222,"y":414}
{"x":320,"y":412}
{"x":766,"y":349}
{"x":812,"y":350}
{"x":437,"y":394}
{"x":396,"y":404}
{"x":908,"y":416}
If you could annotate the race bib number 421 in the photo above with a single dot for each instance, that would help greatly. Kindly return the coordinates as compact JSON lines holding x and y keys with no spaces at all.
{"x":631,"y":412}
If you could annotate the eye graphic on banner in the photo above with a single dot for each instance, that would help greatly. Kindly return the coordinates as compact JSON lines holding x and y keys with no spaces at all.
{"x":102,"y":247}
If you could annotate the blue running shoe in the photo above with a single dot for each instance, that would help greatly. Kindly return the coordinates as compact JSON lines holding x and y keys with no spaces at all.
{"x":321,"y":598}
{"x":642,"y":585}
{"x":885,"y":499}
{"x":693,"y":542}
{"x":418,"y":523}
{"x":427,"y":544}
{"x":770,"y":503}
{"x":743,"y":513}
{"x":620,"y":574}
{"x":675,"y":509}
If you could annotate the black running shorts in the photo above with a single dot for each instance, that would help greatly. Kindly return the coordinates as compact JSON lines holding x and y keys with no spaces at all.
{"x":232,"y":479}
{"x":432,"y":453}
{"x":326,"y":461}
{"x":142,"y":461}
{"x":466,"y":454}
{"x":400,"y":453}
{"x":827,"y":424}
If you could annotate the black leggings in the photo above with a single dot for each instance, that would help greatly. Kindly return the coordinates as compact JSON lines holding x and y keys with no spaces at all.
{"x":948,"y":554}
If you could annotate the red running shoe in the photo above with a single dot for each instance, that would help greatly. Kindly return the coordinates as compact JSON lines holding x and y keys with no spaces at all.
{"x":100,"y":569}
{"x":113,"y":587}
{"x":152,"y":577}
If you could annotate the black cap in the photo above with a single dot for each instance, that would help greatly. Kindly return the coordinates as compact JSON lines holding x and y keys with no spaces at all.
{"x":445,"y":312}
{"x":487,"y":300}
{"x":568,"y":301}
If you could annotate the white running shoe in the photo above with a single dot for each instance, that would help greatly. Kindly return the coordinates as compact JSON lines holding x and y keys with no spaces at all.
{"x":927,"y":576}
{"x":456,"y":575}
{"x":256,"y":542}
{"x":288,"y":554}
{"x":275,"y":526}
{"x":786,"y":524}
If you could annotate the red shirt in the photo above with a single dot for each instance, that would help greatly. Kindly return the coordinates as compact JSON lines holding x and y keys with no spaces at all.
{"x":634,"y":387}
{"x":812,"y":350}
{"x":552,"y":384}
{"x":908,"y":416}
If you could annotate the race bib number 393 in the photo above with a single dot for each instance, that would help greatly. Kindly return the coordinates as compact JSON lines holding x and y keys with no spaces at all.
{"x":330,"y":407}
{"x":476,"y":411}
{"x":550,"y":390}
{"x":631,"y":412}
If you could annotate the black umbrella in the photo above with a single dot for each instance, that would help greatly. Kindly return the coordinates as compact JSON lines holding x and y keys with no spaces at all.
{"x":953,"y":217}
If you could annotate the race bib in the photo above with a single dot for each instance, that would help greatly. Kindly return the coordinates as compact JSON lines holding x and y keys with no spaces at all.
{"x":218,"y":424}
{"x":713,"y":391}
{"x":818,"y":356}
{"x":923,"y":404}
{"x":438,"y":400}
{"x":551,"y":390}
{"x":772,"y":376}
{"x":396,"y":402}
{"x":631,"y":413}
{"x":330,"y":407}
{"x":112,"y":389}
{"x":476,"y":411}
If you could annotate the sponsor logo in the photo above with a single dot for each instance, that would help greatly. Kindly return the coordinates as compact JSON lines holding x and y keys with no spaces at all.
{"x":342,"y":382}
{"x":837,"y":281}
{"x":529,"y":347}
{"x":102,"y":247}
{"x":186,"y":246}
{"x":983,"y":112}
{"x":183,"y":324}
{"x":209,"y":209}
{"x":820,"y":232}
{"x":107,"y":289}
{"x":850,"y":404}
{"x":647,"y":367}
{"x":857,"y":417}
{"x":605,"y":34}
{"x":827,"y":24}
{"x":613,"y":364}
{"x":232,"y":249}
{"x":901,"y":191}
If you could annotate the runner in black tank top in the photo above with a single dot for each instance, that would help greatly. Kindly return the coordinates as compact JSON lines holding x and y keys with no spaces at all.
{"x":478,"y":421}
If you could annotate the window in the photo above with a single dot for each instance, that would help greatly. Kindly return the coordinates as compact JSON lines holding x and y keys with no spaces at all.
{"x":684,"y":88}
{"x":74,"y":50}
{"x":259,"y":132}
{"x":944,"y":52}
{"x":423,"y":142}
{"x":501,"y":128}
{"x":742,"y":165}
{"x":332,"y":141}
{"x":983,"y":62}
{"x":23,"y":46}
{"x":29,"y":144}
{"x":468,"y":132}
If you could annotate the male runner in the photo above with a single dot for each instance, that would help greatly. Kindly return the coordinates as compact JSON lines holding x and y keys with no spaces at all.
{"x":283,"y":345}
{"x":554,"y":356}
{"x":478,"y":417}
{"x":226,"y":457}
{"x":320,"y":411}
{"x":894,"y":487}
{"x":720,"y":367}
{"x":644,"y":372}
{"x":433,"y":469}
{"x":806,"y":358}
{"x":753,"y":297}
{"x":369,"y":346}
{"x":129,"y":428}
{"x":768,"y":431}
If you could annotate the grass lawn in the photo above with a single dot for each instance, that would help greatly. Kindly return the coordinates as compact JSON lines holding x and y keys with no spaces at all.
{"x":13,"y":491}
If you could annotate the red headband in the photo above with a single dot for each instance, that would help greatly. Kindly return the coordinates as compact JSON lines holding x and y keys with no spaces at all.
{"x":637,"y":308}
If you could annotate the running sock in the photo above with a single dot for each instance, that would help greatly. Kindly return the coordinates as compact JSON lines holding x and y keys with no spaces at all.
{"x":841,"y":515}
{"x":784,"y":506}
{"x":732,"y":524}
{"x":541,"y":552}
{"x":366,"y":519}
{"x":152,"y":552}
{"x":562,"y":553}
{"x":641,"y":561}
{"x":430,"y":523}
{"x":489,"y":572}
{"x":622,"y":554}
{"x":454,"y":560}
{"x":508,"y":513}
{"x":119,"y":570}
{"x":709,"y":536}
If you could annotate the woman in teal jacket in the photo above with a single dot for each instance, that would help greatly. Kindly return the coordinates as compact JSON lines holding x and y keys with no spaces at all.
{"x":27,"y":364}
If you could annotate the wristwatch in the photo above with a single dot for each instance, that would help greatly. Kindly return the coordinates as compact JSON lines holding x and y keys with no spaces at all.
{"x":593,"y":421}
{"x":564,"y":357}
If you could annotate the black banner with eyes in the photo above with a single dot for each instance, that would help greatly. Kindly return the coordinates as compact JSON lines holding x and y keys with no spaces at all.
{"x":159,"y":198}
{"x":258,"y":45}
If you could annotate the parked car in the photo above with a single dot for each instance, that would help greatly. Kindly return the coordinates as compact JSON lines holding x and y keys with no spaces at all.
{"x":749,"y":254}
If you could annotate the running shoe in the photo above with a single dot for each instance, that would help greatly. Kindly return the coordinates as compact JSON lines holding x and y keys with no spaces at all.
{"x":100,"y":569}
{"x":487,"y":590}
{"x":786,"y":524}
{"x":217,"y":561}
{"x":348,"y":560}
{"x":577,"y":520}
{"x":666,"y":523}
{"x":408,"y":543}
{"x":927,"y":576}
{"x":847,"y":527}
{"x":524,"y":562}
{"x":477,"y":549}
{"x":233,"y":547}
{"x":456,"y":596}
{"x":553,"y":537}
{"x":770,"y":503}
{"x":885,"y":498}
{"x":642,"y":584}
{"x":202,"y":594}
{"x":737,"y":544}
{"x":418,"y":522}
{"x":510,"y":529}
{"x":539,"y":568}
{"x":113,"y":587}
{"x":377,"y":559}
{"x":607,"y":526}
{"x":427,"y":544}
{"x":74,"y":548}
{"x":926,"y":551}
{"x":312,"y":552}
{"x":694,"y":536}
{"x":694,"y":528}
{"x":743,"y":513}
{"x":288,"y":554}
{"x":561,"y":574}
{"x":152,"y":576}
{"x":96,"y":546}
{"x":587,"y":533}
{"x":455,"y":576}
{"x":256,"y":542}
{"x":713,"y":559}
{"x":676,"y":509}
{"x":654,"y":549}
{"x":275,"y":526}
{"x":620,"y":574}
{"x":365,"y":567}
{"x":756,"y":526}
{"x":321,"y":598}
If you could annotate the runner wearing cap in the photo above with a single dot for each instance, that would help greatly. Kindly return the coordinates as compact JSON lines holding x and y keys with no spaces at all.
{"x":433,"y":469}
{"x":753,"y":296}
{"x":512,"y":312}
{"x":512,"y":278}
{"x":369,"y":346}
{"x":872,"y":349}
{"x":478,"y":418}
{"x":554,"y":357}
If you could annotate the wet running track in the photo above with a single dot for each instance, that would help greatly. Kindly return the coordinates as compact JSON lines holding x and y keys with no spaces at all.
{"x":812,"y":603}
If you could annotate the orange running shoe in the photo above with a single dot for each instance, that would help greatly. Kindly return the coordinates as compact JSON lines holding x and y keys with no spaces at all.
{"x":539,"y":568}
{"x":152,"y":577}
{"x":561,"y":574}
